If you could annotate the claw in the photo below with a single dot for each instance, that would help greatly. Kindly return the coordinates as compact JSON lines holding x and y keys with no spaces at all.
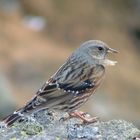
{"x":90,"y":120}
{"x":83,"y":117}
{"x":63,"y":119}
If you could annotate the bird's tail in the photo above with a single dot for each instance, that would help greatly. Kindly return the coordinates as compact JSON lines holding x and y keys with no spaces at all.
{"x":19,"y":114}
{"x":12,"y":118}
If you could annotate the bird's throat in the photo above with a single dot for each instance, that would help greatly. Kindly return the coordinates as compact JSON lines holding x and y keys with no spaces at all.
{"x":108,"y":62}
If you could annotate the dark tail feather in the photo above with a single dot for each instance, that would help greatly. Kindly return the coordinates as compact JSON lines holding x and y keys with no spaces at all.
{"x":30,"y":107}
{"x":11,"y":119}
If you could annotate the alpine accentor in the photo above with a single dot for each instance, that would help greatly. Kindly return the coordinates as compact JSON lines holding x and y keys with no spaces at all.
{"x":72,"y":85}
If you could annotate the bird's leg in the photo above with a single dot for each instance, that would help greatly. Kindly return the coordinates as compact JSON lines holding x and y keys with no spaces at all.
{"x":83,"y":116}
{"x":75,"y":114}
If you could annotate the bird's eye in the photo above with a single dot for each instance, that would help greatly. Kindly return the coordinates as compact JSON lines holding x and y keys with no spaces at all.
{"x":100,"y":48}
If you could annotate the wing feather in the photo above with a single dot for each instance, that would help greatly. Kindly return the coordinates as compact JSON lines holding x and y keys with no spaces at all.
{"x":55,"y":91}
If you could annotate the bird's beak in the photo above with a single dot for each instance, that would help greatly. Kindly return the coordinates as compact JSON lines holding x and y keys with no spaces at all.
{"x":110,"y":50}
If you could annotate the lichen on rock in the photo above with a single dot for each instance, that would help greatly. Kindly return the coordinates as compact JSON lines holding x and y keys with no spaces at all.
{"x":44,"y":126}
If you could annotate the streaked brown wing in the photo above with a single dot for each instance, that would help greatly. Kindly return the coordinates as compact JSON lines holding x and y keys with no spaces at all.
{"x":55,"y":91}
{"x":84,"y":82}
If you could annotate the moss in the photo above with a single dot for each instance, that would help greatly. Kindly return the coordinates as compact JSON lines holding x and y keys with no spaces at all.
{"x":23,"y":133}
{"x":14,"y":138}
{"x":32,"y":129}
{"x":57,"y":138}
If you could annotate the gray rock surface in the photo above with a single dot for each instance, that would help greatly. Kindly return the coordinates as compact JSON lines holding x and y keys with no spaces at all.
{"x":45,"y":126}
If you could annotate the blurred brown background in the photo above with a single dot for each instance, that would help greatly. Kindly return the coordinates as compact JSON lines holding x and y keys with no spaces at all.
{"x":37,"y":36}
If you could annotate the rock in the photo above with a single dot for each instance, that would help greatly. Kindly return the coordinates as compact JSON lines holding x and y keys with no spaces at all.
{"x":45,"y":126}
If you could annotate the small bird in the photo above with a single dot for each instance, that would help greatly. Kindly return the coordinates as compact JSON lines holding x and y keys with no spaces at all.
{"x":72,"y":85}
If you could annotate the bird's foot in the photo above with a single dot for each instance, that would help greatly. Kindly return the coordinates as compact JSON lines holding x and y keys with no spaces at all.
{"x":85,"y":117}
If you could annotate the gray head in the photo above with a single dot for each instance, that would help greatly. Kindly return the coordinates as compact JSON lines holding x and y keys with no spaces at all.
{"x":98,"y":50}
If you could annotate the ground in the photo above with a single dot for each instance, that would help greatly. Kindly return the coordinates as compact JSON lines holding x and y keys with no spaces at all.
{"x":42,"y":126}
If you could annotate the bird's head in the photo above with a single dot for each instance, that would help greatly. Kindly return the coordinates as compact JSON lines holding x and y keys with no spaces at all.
{"x":98,"y":50}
